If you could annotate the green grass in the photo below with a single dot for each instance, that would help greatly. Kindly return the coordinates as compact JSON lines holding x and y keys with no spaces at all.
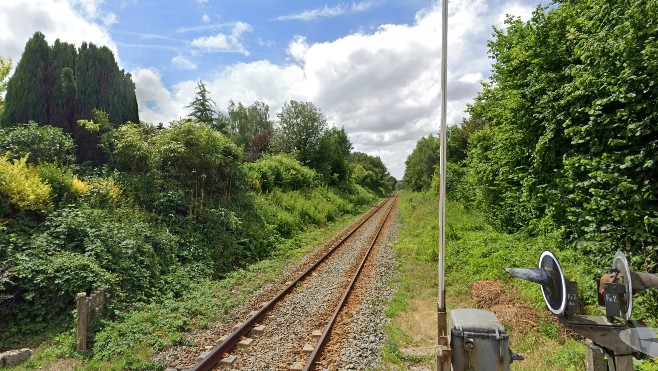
{"x":474,"y":252}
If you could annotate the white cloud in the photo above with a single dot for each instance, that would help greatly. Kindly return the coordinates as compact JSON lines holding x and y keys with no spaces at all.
{"x":298,"y":48}
{"x":155,"y":102}
{"x":183,"y":63}
{"x":383,"y":86}
{"x":224,"y":42}
{"x":327,"y":12}
{"x":74,"y":21}
{"x":205,"y":18}
{"x":219,"y":42}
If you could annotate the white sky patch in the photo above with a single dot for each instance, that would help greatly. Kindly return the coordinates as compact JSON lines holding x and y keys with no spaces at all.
{"x":155,"y":102}
{"x":183,"y":63}
{"x":72,"y":22}
{"x":516,"y":9}
{"x":232,"y":42}
{"x":297,"y":48}
{"x":205,"y":18}
{"x":471,"y":78}
{"x":327,"y":12}
{"x":217,"y":42}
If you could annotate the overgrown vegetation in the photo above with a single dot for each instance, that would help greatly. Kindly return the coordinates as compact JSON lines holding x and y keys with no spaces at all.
{"x":561,"y":141}
{"x":475,"y":252}
{"x":158,"y":214}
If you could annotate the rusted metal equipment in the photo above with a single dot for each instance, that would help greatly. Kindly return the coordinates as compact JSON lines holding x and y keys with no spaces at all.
{"x":616,"y":334}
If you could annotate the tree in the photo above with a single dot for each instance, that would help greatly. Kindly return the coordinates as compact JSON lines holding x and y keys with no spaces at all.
{"x":422,"y":163}
{"x":333,"y":156}
{"x":60,"y":85}
{"x":250,"y":127}
{"x":300,"y":128}
{"x":571,"y":126}
{"x":202,"y":106}
{"x":26,"y":97}
{"x":5,"y":68}
{"x":370,"y":172}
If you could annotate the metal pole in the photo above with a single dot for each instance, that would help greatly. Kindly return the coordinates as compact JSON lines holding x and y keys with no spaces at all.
{"x":443,"y":351}
{"x":442,"y":164}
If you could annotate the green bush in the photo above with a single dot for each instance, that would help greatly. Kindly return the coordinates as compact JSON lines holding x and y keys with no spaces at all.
{"x":84,"y":249}
{"x":280,"y":171}
{"x":49,"y":283}
{"x":61,"y":181}
{"x":41,"y":143}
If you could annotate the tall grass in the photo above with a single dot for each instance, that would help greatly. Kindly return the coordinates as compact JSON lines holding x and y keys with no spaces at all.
{"x":474,"y":252}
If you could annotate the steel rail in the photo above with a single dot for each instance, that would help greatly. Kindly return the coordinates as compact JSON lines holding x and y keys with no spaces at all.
{"x":215,"y":355}
{"x":317,"y":350}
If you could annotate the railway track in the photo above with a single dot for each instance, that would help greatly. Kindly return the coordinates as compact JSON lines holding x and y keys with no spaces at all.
{"x":293,"y":327}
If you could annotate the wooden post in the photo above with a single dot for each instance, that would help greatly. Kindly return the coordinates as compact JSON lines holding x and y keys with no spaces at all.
{"x":595,"y":357}
{"x":82,"y":321}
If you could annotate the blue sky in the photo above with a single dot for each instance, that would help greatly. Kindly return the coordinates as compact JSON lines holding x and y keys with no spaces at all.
{"x":371,"y":66}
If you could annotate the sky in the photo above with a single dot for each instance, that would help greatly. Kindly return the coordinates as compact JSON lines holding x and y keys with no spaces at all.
{"x":370,"y":66}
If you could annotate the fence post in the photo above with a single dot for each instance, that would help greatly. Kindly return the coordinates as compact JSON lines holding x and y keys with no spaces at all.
{"x":82,"y":321}
{"x":595,"y":357}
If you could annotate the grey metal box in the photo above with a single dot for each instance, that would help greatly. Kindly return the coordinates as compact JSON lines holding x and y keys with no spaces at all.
{"x":478,"y":341}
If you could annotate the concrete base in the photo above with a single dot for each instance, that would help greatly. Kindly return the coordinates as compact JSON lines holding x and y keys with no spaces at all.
{"x":257,"y":330}
{"x":14,"y":357}
{"x":228,"y":360}
{"x":308,"y":348}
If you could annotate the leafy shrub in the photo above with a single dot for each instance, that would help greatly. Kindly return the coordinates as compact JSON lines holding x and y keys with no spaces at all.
{"x":101,"y":192}
{"x":280,"y":171}
{"x":65,"y":186}
{"x":21,"y":186}
{"x":189,"y":157}
{"x":82,"y":249}
{"x":43,"y":143}
{"x":48,"y":283}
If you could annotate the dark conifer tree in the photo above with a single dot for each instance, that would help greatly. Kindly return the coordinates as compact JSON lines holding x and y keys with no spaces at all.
{"x":26,"y":96}
{"x":59,"y":85}
{"x":203,"y":107}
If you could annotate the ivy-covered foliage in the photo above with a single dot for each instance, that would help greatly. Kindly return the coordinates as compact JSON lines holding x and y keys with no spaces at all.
{"x":571,"y":128}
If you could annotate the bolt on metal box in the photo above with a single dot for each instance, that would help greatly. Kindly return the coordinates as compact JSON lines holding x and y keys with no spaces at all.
{"x":478,"y":341}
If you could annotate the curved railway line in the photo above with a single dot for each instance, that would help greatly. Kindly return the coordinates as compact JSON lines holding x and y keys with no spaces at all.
{"x":309,"y":323}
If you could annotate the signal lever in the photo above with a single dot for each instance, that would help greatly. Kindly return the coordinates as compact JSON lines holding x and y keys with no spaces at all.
{"x":615,"y":333}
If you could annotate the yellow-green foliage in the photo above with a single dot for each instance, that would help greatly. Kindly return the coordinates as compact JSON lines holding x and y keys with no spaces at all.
{"x":101,"y":192}
{"x":79,"y":187}
{"x":21,"y":185}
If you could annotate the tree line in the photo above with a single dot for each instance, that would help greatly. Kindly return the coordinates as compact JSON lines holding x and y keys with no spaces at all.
{"x":563,"y":136}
